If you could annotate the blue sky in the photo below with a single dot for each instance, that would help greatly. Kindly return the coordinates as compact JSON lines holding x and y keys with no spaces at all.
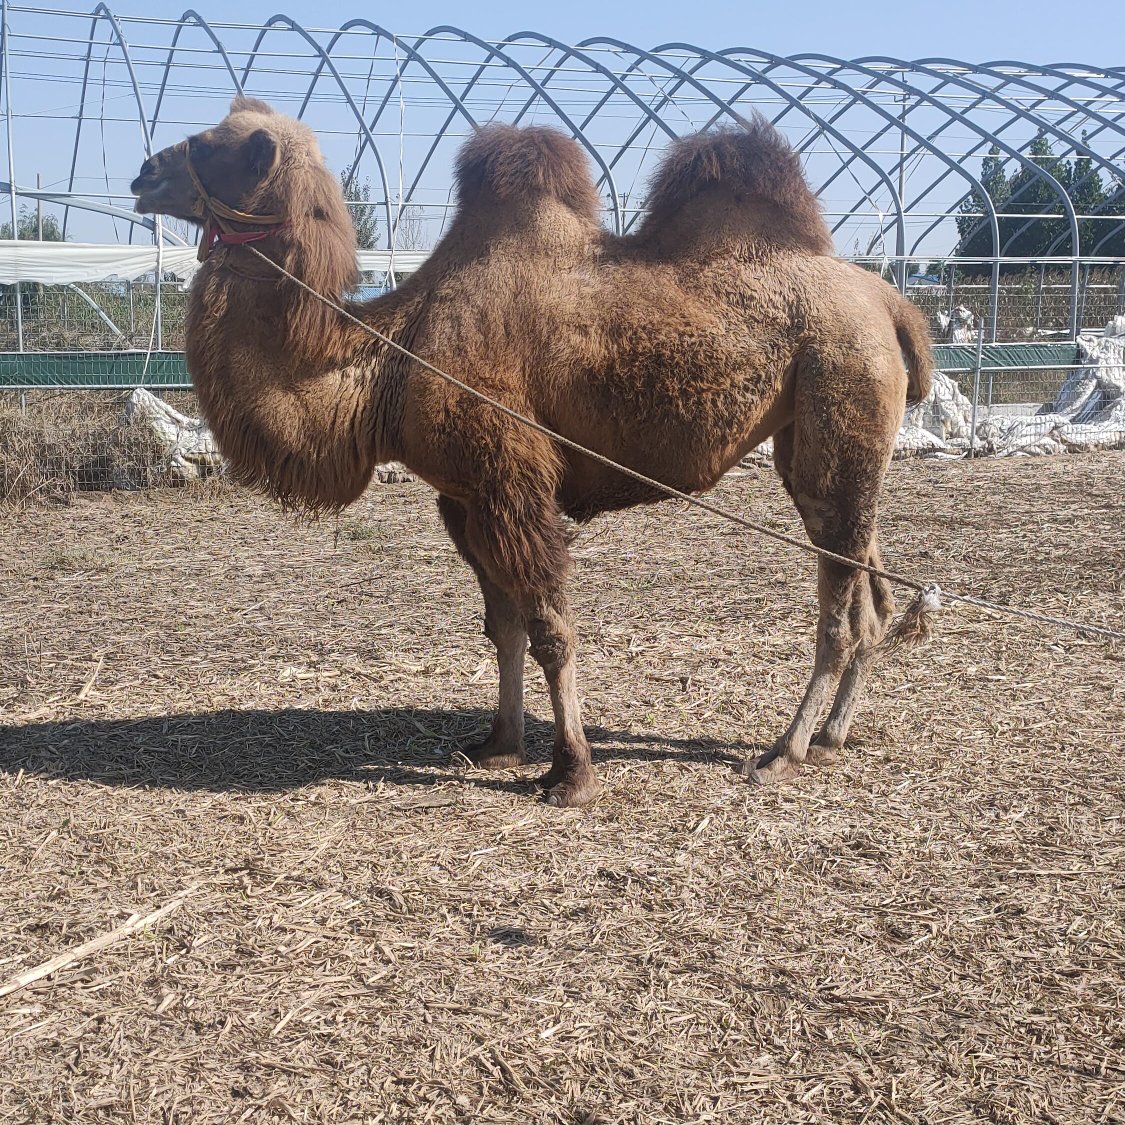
{"x":47,"y":77}
{"x":978,"y":30}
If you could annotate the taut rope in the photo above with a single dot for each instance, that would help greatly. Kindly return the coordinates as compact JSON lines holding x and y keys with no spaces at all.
{"x":928,"y":595}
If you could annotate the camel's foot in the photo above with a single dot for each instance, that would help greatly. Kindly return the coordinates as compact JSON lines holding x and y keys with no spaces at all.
{"x":570,"y":787}
{"x":496,"y":754}
{"x":773,"y":766}
{"x":821,"y":754}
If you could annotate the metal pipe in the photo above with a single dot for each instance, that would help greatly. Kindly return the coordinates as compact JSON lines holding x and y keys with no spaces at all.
{"x":5,"y":62}
{"x":976,"y":391}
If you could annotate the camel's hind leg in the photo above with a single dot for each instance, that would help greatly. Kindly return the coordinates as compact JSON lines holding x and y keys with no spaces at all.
{"x":504,"y":626}
{"x":834,"y":480}
{"x":571,"y":780}
{"x":880,"y":607}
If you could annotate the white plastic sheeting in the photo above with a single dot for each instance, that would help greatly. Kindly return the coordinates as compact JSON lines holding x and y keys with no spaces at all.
{"x":190,"y":450}
{"x":1087,"y":413}
{"x":186,"y":442}
{"x":67,"y":263}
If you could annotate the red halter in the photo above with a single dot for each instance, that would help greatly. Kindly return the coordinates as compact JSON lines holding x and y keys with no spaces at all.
{"x":215,"y":211}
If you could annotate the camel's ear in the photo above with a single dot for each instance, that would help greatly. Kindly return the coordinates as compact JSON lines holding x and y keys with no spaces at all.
{"x":243,"y":104}
{"x":261,"y":153}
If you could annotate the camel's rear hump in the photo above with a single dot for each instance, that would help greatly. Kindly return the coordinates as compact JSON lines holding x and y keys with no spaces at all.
{"x":760,"y":170}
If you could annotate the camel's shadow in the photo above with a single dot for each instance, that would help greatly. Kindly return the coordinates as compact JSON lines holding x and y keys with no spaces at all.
{"x":274,"y":751}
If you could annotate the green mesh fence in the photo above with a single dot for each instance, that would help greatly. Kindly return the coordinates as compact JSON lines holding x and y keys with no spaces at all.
{"x":93,"y":371}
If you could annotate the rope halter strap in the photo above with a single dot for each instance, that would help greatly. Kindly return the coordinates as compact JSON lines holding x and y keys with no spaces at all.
{"x":217,"y":216}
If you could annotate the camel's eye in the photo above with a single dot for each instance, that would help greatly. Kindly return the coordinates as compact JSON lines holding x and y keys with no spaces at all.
{"x":199,"y":150}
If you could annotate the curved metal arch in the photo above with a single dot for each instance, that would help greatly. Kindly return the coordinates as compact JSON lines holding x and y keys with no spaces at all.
{"x":412,"y":55}
{"x":1057,"y":242}
{"x":928,"y":149}
{"x":458,"y":101}
{"x":655,"y":56}
{"x":495,"y":51}
{"x":860,"y":66}
{"x":1101,"y":125}
{"x":191,"y":17}
{"x":102,"y":12}
{"x":838,"y":84}
{"x":1105,"y":238}
{"x":616,"y":84}
{"x":820,"y":123}
{"x":1019,"y":80}
{"x":857,"y":153}
{"x":859,"y":97}
{"x":665,"y":99}
{"x":924,"y":96}
{"x":440,"y":134}
{"x":1104,"y":71}
{"x":1043,"y":123}
{"x":671,"y":92}
{"x":1030,"y":165}
{"x":941,"y":179}
{"x":1068,"y":80}
{"x":976,"y":148}
{"x":291,"y":25}
{"x":839,"y":65}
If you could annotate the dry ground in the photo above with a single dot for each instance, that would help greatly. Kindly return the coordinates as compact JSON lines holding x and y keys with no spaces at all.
{"x":198,"y":693}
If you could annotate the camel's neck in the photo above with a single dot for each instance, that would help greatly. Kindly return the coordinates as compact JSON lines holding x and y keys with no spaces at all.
{"x":291,"y":389}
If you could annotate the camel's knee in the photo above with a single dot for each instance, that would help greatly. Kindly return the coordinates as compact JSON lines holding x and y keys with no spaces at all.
{"x":873,"y":607}
{"x":501,"y":627}
{"x":551,"y":641}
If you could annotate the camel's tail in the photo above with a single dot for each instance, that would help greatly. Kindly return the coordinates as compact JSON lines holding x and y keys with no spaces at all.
{"x":914,"y":339}
{"x":762,"y":172}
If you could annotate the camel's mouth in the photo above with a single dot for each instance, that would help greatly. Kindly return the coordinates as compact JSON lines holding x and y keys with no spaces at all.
{"x":159,"y":191}
{"x":160,"y":198}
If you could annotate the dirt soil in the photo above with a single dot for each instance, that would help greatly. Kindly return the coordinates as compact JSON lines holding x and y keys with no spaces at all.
{"x":207,"y":705}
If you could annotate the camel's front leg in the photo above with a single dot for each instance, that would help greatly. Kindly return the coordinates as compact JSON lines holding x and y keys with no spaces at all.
{"x":504,"y":626}
{"x":571,"y":780}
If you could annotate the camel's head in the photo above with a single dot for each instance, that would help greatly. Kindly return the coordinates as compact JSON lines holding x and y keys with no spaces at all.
{"x":235,"y":162}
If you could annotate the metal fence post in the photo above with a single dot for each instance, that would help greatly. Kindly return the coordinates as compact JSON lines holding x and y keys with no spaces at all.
{"x":994,"y":297}
{"x":976,"y":391}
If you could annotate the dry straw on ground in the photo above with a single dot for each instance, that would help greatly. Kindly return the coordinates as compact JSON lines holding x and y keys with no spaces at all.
{"x":197,"y":691}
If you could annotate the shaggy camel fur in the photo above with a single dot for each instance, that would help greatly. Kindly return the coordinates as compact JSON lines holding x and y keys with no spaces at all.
{"x":723,"y":321}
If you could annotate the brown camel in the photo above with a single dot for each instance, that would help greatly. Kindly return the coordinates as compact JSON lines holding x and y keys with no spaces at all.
{"x":723,"y":321}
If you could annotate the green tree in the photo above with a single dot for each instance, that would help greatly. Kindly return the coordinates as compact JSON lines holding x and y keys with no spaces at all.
{"x":972,"y":223}
{"x":1035,"y":224}
{"x":358,"y":196}
{"x":28,"y":227}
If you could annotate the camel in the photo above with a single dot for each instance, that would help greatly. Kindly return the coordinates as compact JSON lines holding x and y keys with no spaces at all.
{"x":723,"y":321}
